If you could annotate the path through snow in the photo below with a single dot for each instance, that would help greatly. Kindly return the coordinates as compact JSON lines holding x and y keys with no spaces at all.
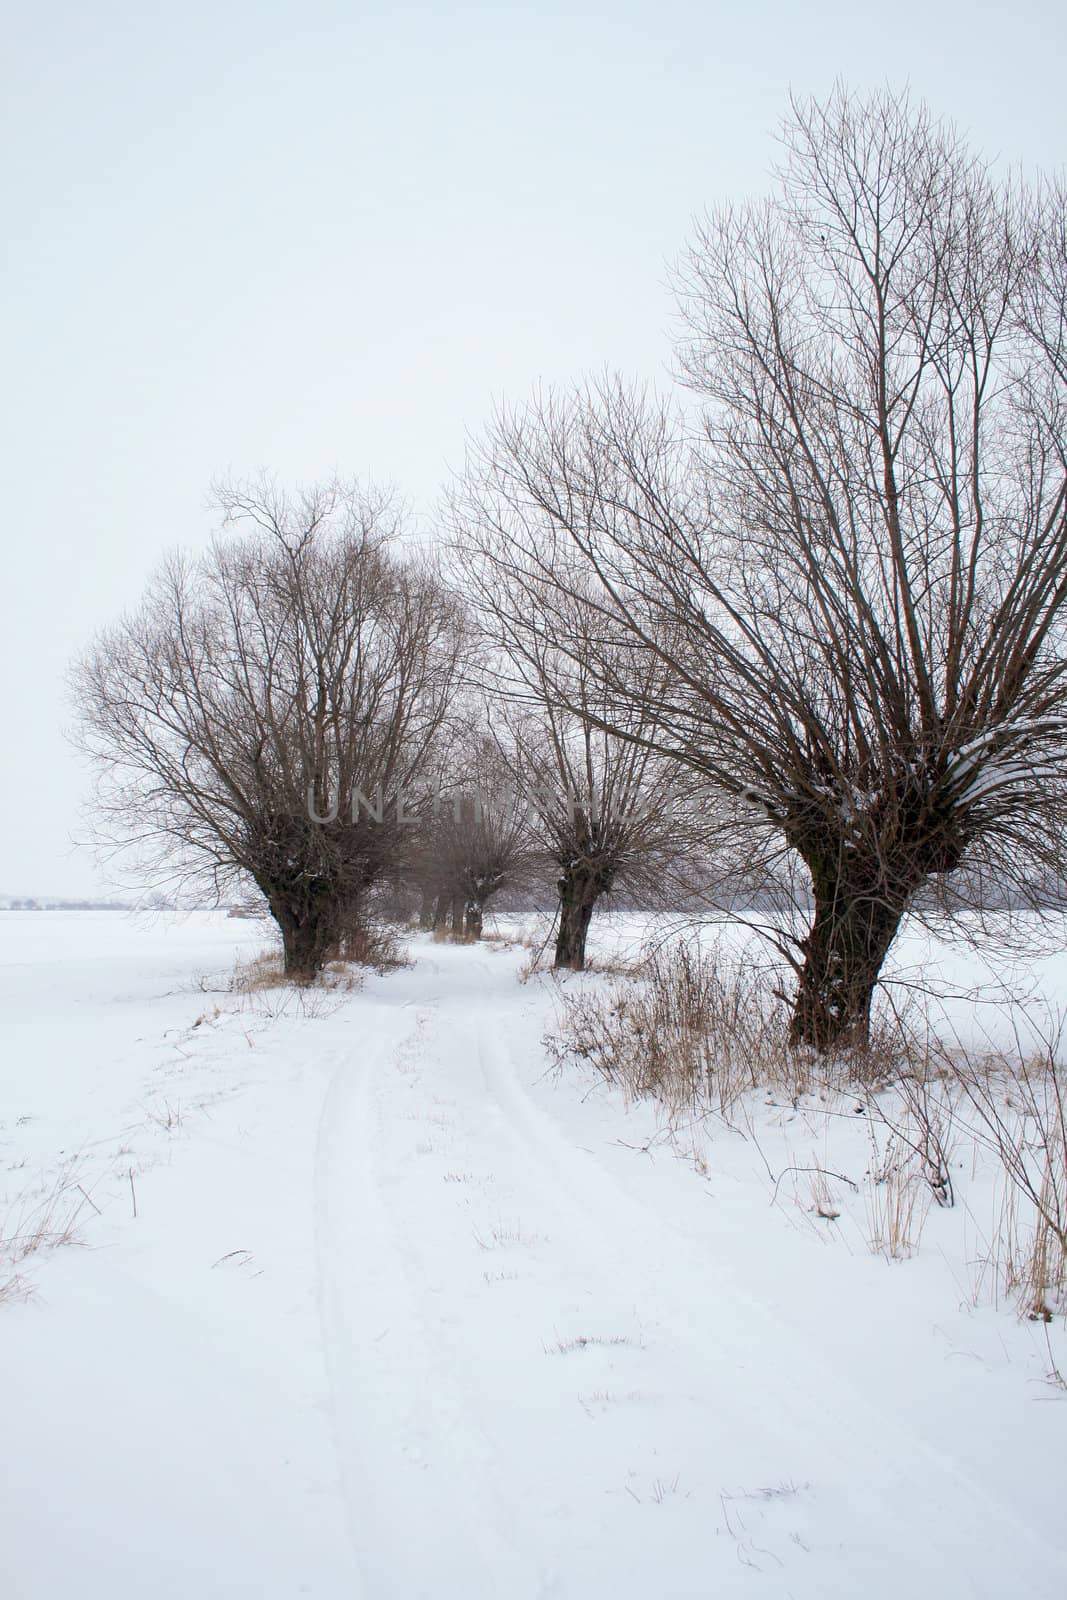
{"x":404,"y":1319}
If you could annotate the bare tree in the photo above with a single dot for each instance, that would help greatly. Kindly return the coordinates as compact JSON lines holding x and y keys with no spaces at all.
{"x":609,"y":813}
{"x":475,"y":839}
{"x":263,"y":712}
{"x":855,"y":574}
{"x":606,"y":807}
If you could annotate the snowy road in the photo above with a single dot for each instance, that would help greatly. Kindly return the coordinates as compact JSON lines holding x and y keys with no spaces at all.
{"x":400,"y":1316}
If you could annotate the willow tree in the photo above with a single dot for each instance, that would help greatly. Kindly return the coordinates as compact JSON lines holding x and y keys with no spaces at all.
{"x":854,"y":570}
{"x":474,"y":839}
{"x":607,"y":809}
{"x":610,"y":815}
{"x":263,"y":713}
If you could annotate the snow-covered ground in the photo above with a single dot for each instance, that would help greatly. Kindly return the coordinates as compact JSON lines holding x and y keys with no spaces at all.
{"x":364,"y":1301}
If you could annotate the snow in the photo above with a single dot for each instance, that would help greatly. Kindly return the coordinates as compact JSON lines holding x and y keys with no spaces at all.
{"x":404,"y":1313}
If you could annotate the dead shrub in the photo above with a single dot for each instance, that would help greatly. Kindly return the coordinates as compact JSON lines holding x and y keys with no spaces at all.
{"x":1011,"y":1102}
{"x":262,"y":971}
{"x":1018,"y":1111}
{"x":695,"y":1027}
{"x":920,"y":1117}
{"x":374,"y":945}
{"x":700,"y":1028}
{"x":365,"y":945}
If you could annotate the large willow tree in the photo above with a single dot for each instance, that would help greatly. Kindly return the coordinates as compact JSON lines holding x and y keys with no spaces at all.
{"x":854,"y":568}
{"x":267,"y":711}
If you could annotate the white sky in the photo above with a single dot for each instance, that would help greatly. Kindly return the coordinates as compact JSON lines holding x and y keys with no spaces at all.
{"x":316,"y":237}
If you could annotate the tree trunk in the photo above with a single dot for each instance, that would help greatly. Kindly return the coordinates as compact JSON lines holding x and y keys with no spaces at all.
{"x":856,"y":919}
{"x":458,"y":905}
{"x":473,"y":923}
{"x":578,"y":894}
{"x":308,"y":937}
{"x":426,"y":910}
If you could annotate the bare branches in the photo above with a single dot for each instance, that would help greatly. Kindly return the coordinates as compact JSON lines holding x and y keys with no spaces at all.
{"x":474,"y":838}
{"x":262,"y":713}
{"x":843,"y":602}
{"x":570,"y":694}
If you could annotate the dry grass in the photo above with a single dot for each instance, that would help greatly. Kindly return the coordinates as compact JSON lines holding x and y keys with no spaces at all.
{"x":373,"y":946}
{"x":40,"y":1220}
{"x":263,"y":977}
{"x":260,"y":986}
{"x":582,"y":1341}
{"x":897,"y":1199}
{"x":1010,"y":1103}
{"x":258,"y":973}
{"x":700,"y":1027}
{"x":926,"y":1129}
{"x":167,"y":1115}
{"x":823,"y":1202}
{"x":1017,"y":1109}
{"x":699,"y":1030}
{"x":505,"y":1235}
{"x":1026,"y":1257}
{"x":533,"y":964}
{"x":695,"y":1030}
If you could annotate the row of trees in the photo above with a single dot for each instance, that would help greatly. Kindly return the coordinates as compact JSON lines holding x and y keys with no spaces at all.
{"x":811,"y":618}
{"x":305,"y":709}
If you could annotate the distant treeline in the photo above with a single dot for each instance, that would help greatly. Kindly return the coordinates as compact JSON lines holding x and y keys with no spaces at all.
{"x":44,"y":903}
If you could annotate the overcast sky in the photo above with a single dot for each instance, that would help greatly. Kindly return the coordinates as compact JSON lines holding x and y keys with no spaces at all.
{"x":321,"y":237}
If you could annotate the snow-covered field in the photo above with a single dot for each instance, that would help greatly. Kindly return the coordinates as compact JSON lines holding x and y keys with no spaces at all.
{"x":364,"y":1301}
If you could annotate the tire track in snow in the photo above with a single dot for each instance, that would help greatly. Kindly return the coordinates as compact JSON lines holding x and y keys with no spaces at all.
{"x":476,"y":1266}
{"x":814,"y":1401}
{"x":417,"y":1492}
